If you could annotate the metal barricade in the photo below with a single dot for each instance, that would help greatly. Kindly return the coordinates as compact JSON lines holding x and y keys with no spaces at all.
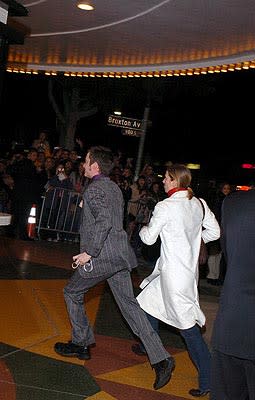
{"x":60,"y":212}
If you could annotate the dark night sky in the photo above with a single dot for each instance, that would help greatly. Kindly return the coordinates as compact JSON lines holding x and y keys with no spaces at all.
{"x":206,"y":118}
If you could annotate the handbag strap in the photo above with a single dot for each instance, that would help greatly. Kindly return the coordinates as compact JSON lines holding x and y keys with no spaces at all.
{"x":203,"y":207}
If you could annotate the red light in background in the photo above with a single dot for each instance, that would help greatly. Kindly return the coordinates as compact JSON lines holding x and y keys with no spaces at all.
{"x":242,"y":187}
{"x":248,"y":166}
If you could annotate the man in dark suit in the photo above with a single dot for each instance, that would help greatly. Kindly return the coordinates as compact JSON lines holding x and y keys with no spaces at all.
{"x":233,"y":339}
{"x":105,"y":254}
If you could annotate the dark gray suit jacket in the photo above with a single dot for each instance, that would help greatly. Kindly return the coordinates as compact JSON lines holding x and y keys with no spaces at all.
{"x":101,"y":232}
{"x":234,"y":327}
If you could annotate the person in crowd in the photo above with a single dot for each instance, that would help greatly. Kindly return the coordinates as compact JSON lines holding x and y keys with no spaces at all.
{"x":155,"y":193}
{"x":65,"y":155}
{"x":56,"y":201}
{"x":57,"y":154}
{"x":117,"y":160}
{"x":79,"y":181}
{"x":216,"y":260}
{"x":125,"y":187}
{"x":32,"y":155}
{"x":149,"y":174}
{"x":74,"y":157}
{"x":129,"y":163}
{"x":59,"y":180}
{"x":49,"y":167}
{"x":116,"y":175}
{"x":38,"y":158}
{"x":105,"y":254}
{"x":26,"y":192}
{"x":42,"y":144}
{"x":233,"y":339}
{"x":139,"y":191}
{"x":223,"y":191}
{"x":127,"y":174}
{"x":137,"y":212}
{"x":79,"y":147}
{"x":69,"y":167}
{"x":41,"y":157}
{"x":170,"y":293}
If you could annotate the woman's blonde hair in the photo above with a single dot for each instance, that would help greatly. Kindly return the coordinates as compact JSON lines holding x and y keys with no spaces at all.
{"x":182,"y":175}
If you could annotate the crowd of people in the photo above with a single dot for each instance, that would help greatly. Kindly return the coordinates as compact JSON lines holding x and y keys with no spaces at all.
{"x":27,"y":175}
{"x":118,"y":215}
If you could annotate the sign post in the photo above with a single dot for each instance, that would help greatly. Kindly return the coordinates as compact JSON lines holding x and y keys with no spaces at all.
{"x":133,"y":127}
{"x":141,"y":143}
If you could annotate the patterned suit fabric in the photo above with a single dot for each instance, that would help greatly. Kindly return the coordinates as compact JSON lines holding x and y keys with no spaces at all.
{"x":101,"y":234}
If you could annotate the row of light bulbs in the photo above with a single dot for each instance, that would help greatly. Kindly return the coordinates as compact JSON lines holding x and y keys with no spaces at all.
{"x":153,"y":74}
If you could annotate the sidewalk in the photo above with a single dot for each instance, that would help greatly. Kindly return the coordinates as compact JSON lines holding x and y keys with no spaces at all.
{"x":32,"y":278}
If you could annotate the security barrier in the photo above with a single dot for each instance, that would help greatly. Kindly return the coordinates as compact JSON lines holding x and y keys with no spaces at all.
{"x":60,"y":214}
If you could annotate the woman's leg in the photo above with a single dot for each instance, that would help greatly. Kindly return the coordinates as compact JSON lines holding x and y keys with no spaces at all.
{"x":199,"y":354}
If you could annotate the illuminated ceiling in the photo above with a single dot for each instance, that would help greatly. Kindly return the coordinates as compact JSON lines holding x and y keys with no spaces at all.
{"x":139,"y":36}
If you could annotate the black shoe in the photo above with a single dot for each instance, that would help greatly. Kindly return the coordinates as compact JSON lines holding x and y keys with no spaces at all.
{"x":72,"y":350}
{"x":138,"y":349}
{"x":199,"y":392}
{"x":163,"y":370}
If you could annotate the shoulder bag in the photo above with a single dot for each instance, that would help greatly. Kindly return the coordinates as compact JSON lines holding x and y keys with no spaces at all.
{"x":203,"y":253}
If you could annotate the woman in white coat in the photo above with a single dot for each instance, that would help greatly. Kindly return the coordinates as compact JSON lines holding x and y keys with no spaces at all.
{"x":170,"y":293}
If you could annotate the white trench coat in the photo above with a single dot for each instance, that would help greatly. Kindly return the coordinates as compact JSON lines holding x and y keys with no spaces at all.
{"x":170,"y":293}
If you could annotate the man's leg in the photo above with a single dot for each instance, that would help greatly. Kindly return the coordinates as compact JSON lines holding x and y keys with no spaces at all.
{"x":82,"y":333}
{"x":249,"y":366}
{"x":122,"y":289}
{"x":228,"y":378}
{"x":138,"y":348}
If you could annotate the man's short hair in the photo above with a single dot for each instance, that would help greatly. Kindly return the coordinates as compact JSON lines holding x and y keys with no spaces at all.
{"x":104,"y":158}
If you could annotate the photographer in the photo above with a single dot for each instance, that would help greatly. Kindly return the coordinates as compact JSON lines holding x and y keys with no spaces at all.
{"x":26,"y":191}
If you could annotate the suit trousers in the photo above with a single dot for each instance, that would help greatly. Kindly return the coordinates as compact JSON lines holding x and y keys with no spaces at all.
{"x":121,"y":286}
{"x":232,"y":378}
{"x":197,"y":349}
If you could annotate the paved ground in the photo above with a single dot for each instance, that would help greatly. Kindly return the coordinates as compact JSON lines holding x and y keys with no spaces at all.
{"x":33,"y":315}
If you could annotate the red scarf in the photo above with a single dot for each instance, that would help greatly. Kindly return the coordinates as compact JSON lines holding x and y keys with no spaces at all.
{"x":172,"y":191}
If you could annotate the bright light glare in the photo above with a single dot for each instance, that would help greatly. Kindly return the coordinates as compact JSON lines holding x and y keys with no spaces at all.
{"x":83,"y":5}
{"x":193,"y":166}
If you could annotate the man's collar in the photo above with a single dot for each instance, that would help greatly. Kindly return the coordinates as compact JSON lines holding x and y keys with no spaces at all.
{"x":98,"y":176}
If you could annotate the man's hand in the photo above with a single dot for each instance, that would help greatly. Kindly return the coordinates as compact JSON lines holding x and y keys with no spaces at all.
{"x":82,"y":258}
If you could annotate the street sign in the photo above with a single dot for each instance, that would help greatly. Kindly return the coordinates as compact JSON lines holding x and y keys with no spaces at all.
{"x":123,"y":122}
{"x":131,"y":132}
